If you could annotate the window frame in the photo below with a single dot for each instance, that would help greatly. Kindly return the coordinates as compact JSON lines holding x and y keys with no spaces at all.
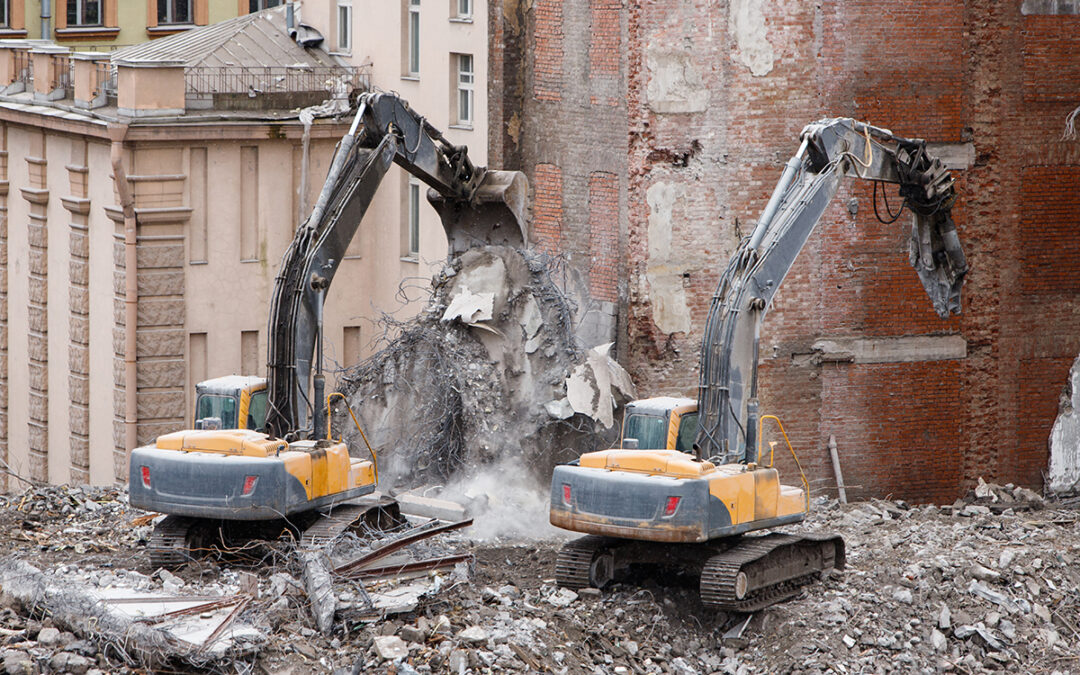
{"x":413,"y":38}
{"x":465,"y":82}
{"x":261,"y":5}
{"x":80,"y":8}
{"x":345,"y":48}
{"x":6,"y":9}
{"x":463,"y":10}
{"x":168,"y":20}
{"x":412,"y":219}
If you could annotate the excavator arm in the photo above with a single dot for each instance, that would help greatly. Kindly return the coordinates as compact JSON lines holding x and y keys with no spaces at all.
{"x":477,"y":206}
{"x":831,"y":150}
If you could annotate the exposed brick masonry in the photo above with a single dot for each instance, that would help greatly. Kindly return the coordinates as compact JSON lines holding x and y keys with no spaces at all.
{"x":604,"y":236}
{"x":547,"y":208}
{"x":548,"y":55}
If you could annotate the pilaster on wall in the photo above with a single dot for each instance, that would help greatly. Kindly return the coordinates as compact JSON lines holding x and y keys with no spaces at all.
{"x":119,"y":325}
{"x":78,"y":205}
{"x":37,"y":195}
{"x":160,"y":339}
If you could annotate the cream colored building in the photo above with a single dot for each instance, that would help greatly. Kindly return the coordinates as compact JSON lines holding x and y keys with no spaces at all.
{"x":434,"y":54}
{"x":93,"y":359}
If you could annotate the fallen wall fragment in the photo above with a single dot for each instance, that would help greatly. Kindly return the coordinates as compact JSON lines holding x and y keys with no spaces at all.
{"x":492,"y":368}
{"x":1064,"y":470}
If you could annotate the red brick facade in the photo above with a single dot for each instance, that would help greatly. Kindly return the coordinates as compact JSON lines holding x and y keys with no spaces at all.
{"x":709,"y":110}
{"x":604,"y":236}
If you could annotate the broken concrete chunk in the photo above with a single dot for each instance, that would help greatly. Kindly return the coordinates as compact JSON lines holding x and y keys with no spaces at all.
{"x":48,"y":637}
{"x":945,"y":618}
{"x":981,"y":573}
{"x":469,"y":307}
{"x":473,"y":634}
{"x":320,"y":589}
{"x":595,"y":387}
{"x":1007,"y":603}
{"x":390,"y":647}
{"x":560,"y":410}
{"x":938,"y":641}
{"x":562,"y":597}
{"x":430,"y":507}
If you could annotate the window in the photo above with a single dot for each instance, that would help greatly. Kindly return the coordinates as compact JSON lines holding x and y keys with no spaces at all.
{"x":256,"y":417}
{"x":173,"y":11}
{"x":83,"y":12}
{"x":464,"y":9}
{"x":257,"y":5}
{"x":5,"y":15}
{"x":464,"y":114}
{"x":221,"y":407}
{"x":414,"y":38}
{"x":687,"y":432}
{"x":413,"y":217}
{"x":649,"y":430}
{"x":344,"y":25}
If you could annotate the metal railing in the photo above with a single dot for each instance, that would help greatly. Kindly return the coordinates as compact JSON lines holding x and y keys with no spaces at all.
{"x":62,"y":72}
{"x":104,"y":79}
{"x":24,"y":67}
{"x":210,"y":80}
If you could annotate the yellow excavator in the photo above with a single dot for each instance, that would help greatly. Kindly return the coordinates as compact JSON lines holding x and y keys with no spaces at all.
{"x":690,"y":478}
{"x":261,"y":451}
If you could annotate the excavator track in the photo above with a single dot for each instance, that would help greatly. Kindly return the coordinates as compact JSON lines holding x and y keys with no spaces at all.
{"x":577,"y":564}
{"x":760,"y":571}
{"x":332,"y":525}
{"x":168,"y":545}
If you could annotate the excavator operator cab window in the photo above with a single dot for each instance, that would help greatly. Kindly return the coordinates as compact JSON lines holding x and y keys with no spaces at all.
{"x":220,"y":406}
{"x":687,"y":432}
{"x":256,"y":417}
{"x":649,"y":430}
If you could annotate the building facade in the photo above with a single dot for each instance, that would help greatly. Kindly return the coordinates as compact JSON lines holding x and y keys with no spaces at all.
{"x":434,"y":54}
{"x":106,"y":24}
{"x":653,"y":134}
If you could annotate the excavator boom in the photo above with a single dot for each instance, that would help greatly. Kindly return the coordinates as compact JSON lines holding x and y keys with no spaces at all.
{"x":831,"y":150}
{"x":477,"y":207}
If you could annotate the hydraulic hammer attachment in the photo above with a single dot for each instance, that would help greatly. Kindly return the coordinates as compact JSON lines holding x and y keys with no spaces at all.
{"x":494,"y":216}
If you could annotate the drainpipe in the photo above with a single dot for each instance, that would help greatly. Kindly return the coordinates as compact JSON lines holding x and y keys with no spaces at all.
{"x":46,"y":15}
{"x":117,"y":132}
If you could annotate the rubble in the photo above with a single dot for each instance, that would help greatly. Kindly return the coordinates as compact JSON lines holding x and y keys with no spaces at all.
{"x":491,"y":369}
{"x":926,"y":589}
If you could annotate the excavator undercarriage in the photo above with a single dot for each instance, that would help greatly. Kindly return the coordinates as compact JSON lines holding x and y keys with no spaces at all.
{"x":742,"y":573}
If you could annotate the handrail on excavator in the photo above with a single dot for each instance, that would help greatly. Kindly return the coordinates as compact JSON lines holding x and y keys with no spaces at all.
{"x":330,"y":436}
{"x":802,"y":474}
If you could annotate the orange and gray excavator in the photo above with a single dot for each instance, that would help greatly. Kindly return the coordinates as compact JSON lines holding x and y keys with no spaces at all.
{"x":262,"y":453}
{"x":688,"y":481}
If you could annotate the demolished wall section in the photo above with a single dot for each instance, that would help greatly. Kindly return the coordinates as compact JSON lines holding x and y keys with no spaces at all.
{"x":715,"y":98}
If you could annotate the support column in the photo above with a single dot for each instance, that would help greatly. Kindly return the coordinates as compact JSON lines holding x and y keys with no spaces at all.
{"x":37,"y":195}
{"x":79,"y":314}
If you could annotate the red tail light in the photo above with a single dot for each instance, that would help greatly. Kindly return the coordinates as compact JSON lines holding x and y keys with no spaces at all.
{"x":249,"y":484}
{"x":671,"y":506}
{"x":566,"y":494}
{"x":146,"y":477}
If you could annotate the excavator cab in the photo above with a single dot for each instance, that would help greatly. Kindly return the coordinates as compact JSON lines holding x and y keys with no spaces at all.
{"x":231,"y":402}
{"x":661,"y":423}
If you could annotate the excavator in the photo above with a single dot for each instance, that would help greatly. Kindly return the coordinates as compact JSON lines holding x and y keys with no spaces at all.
{"x":262,"y":452}
{"x":689,"y":481}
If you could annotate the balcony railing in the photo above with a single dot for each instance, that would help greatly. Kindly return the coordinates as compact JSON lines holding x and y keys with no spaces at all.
{"x":210,"y":80}
{"x":62,"y":72}
{"x":24,"y":67}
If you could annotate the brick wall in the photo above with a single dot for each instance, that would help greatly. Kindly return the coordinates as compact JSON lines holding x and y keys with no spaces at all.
{"x":709,"y":108}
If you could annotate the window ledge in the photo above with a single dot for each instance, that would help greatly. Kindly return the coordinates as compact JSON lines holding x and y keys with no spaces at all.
{"x":410,"y":258}
{"x":461,"y":19}
{"x":6,"y":32}
{"x":81,"y":32}
{"x":168,"y":29}
{"x":411,"y":78}
{"x":463,"y":127}
{"x":341,"y":53}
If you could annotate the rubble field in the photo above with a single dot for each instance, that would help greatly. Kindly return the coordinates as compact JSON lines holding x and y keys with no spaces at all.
{"x":988,"y":584}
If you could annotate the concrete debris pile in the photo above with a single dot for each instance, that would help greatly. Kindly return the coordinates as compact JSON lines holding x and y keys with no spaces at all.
{"x":490,"y":369}
{"x":965,"y":588}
